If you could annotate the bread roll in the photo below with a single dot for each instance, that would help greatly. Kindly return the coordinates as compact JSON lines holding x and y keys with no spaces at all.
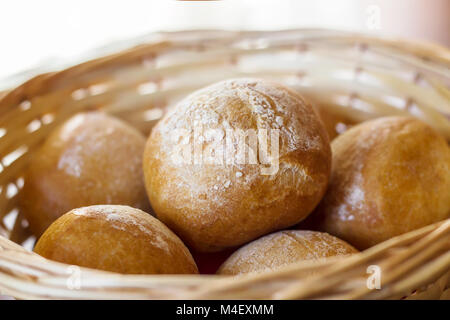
{"x":283,"y":248}
{"x":215,"y":195}
{"x":335,"y":123}
{"x":90,"y":159}
{"x":390,"y":176}
{"x":115,"y":238}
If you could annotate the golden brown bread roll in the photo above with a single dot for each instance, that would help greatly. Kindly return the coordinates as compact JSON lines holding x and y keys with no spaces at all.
{"x":283,"y":248}
{"x":334,"y":122}
{"x":215,"y":205}
{"x":115,"y":238}
{"x":390,"y":176}
{"x":90,"y":159}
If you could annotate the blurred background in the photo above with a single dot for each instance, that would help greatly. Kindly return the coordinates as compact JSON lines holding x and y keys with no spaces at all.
{"x":38,"y":36}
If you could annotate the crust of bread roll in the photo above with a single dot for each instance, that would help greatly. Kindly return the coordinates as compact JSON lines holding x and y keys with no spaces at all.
{"x":115,"y":238}
{"x":390,"y":176}
{"x":92,"y":158}
{"x":215,"y":206}
{"x":283,"y":248}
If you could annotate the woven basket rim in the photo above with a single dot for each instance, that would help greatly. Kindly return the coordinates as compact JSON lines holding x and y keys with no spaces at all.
{"x":197,"y":286}
{"x":428,"y":48}
{"x":38,"y":85}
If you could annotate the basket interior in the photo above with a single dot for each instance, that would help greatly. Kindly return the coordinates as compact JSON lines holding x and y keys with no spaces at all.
{"x":353,"y":76}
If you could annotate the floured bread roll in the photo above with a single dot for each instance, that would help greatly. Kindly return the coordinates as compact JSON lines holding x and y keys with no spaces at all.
{"x":92,"y":158}
{"x":283,"y":248}
{"x":390,"y":176}
{"x":234,"y":161}
{"x":115,"y":238}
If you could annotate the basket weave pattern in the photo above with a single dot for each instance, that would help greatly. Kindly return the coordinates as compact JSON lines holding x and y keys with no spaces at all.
{"x":356,"y":76}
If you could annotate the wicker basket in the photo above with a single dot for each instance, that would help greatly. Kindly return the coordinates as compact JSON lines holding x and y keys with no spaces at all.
{"x":356,"y":76}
